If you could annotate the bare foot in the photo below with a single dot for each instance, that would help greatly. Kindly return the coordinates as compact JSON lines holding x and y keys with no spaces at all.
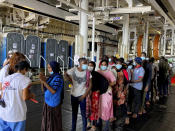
{"x":144,"y":111}
{"x":129,"y":113}
{"x":134,"y":115}
{"x":127,"y":121}
{"x":112,"y":119}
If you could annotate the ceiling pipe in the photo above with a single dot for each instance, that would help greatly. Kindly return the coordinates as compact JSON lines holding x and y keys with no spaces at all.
{"x":75,"y":7}
{"x":161,"y":12}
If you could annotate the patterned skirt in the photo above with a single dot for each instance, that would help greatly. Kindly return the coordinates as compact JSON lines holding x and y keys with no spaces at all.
{"x":95,"y":106}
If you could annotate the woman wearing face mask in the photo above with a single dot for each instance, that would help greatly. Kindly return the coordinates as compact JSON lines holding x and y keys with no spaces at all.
{"x":119,"y":92}
{"x":81,"y":88}
{"x":99,"y":86}
{"x":53,"y":86}
{"x":15,"y":93}
{"x":106,"y":100}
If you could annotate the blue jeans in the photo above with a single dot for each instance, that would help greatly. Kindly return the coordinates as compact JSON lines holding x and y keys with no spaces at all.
{"x":106,"y":123}
{"x":75,"y":104}
{"x":12,"y":126}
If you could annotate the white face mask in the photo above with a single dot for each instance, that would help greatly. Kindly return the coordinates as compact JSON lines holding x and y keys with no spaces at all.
{"x":90,"y":68}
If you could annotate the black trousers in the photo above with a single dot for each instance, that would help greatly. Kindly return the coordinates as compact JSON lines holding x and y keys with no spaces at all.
{"x":134,"y":100}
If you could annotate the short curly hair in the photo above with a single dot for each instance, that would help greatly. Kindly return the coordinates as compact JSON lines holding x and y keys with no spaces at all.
{"x":14,"y":60}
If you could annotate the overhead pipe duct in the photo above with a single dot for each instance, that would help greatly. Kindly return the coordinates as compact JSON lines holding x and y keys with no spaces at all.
{"x":75,"y":7}
{"x":159,"y":9}
{"x":130,"y":10}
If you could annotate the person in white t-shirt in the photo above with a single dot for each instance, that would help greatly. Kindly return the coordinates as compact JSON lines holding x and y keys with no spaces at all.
{"x":15,"y":93}
{"x":78,"y":77}
{"x":10,"y":68}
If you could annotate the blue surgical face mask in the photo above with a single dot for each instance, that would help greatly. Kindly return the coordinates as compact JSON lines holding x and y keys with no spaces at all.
{"x":143,"y":58}
{"x":110,"y":60}
{"x":84,"y":67}
{"x":130,"y":67}
{"x":103,"y":68}
{"x":134,"y":63}
{"x":118,"y":66}
{"x":51,"y":72}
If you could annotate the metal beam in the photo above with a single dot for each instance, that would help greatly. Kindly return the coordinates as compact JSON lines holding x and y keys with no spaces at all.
{"x":142,"y":9}
{"x":161,"y":12}
{"x":49,"y":10}
{"x":75,"y":7}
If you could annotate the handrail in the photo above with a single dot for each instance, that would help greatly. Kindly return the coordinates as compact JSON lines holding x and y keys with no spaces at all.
{"x":68,"y":61}
{"x":58,"y":57}
{"x":29,"y":60}
{"x":41,"y":57}
{"x":30,"y":64}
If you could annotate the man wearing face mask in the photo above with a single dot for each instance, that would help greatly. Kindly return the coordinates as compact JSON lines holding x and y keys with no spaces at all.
{"x":146,"y":80}
{"x":134,"y":100}
{"x":78,"y":77}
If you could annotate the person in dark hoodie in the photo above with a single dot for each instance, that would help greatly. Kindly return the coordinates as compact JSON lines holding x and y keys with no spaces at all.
{"x":146,"y":81}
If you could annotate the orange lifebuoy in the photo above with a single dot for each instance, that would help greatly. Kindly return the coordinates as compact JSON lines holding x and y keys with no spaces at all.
{"x":155,"y":47}
{"x":139,"y":46}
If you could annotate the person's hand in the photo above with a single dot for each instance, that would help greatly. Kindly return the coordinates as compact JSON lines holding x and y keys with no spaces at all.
{"x":146,"y":89}
{"x":32,"y":96}
{"x":42,"y":77}
{"x":82,"y":98}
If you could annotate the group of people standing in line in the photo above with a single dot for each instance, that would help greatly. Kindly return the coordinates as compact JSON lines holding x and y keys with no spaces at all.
{"x":128,"y":86}
{"x":118,"y":85}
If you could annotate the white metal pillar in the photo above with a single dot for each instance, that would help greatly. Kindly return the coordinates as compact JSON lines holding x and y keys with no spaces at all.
{"x":98,"y":56}
{"x":146,"y":37}
{"x":125,"y":38}
{"x":84,"y":26}
{"x":93,"y":39}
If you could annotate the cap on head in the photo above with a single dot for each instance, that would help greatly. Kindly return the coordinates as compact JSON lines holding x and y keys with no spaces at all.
{"x":138,"y":60}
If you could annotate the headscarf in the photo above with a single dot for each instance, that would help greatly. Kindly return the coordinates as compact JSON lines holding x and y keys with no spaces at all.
{"x":55,"y":67}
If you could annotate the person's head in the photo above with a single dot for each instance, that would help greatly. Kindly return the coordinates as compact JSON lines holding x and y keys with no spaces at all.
{"x":151,"y":60}
{"x":10,"y":53}
{"x":130,"y":64}
{"x":105,"y":57}
{"x":91,"y":66}
{"x":119,"y":64}
{"x":104,"y":65}
{"x":138,"y":61}
{"x":54,"y":67}
{"x":166,"y":60}
{"x":111,"y":59}
{"x":122,"y":60}
{"x":143,"y":56}
{"x":14,"y":60}
{"x":83,"y":64}
{"x":22,"y":67}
